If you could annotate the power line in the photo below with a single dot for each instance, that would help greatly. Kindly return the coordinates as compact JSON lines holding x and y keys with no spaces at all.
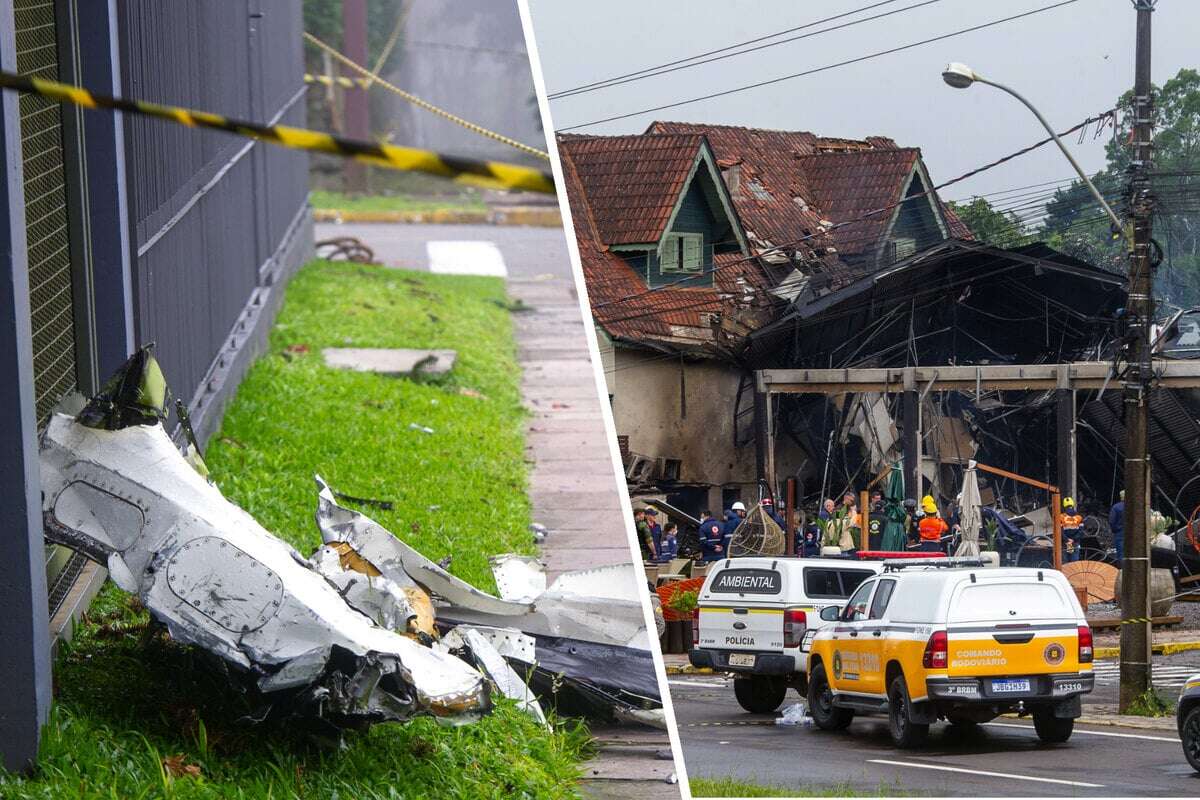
{"x":551,"y":95}
{"x":654,"y":72}
{"x":824,"y":68}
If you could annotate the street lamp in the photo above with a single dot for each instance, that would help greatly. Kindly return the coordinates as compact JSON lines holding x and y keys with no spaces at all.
{"x":960,"y":76}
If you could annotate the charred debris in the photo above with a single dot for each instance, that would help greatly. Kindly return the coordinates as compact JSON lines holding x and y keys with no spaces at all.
{"x":365,"y":629}
{"x":963,"y":303}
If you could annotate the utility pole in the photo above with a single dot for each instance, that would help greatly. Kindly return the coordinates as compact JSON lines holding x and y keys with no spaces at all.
{"x":1135,"y":567}
{"x":357,"y":112}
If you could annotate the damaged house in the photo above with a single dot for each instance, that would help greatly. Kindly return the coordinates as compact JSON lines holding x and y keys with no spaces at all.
{"x":675,"y":291}
{"x":841,"y":256}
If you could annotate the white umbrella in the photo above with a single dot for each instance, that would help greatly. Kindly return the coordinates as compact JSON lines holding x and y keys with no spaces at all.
{"x":969,"y":518}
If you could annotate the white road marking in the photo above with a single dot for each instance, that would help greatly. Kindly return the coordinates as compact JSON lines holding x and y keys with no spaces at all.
{"x":1093,"y":733}
{"x":986,"y":773}
{"x":1108,"y":673}
{"x":696,"y":683}
{"x":466,"y":258}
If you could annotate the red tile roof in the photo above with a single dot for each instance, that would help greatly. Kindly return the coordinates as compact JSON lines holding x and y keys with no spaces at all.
{"x":632,"y":182}
{"x":848,"y":186}
{"x":791,"y":181}
{"x":788,"y":188}
{"x":621,"y":303}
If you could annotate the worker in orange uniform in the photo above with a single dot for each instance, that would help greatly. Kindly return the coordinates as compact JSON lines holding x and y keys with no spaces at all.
{"x":1072,"y":530}
{"x":931,"y":527}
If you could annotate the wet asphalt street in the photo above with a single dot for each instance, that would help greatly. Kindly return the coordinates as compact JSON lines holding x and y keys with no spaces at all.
{"x":1002,"y":758}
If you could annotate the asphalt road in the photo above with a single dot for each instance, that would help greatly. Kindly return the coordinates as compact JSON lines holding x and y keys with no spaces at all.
{"x":1003,"y":758}
{"x":528,"y":251}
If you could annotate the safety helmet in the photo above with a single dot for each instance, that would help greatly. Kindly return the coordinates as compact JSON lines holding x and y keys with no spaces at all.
{"x":738,"y":506}
{"x":1068,"y":502}
{"x":928,"y":505}
{"x":651,"y":511}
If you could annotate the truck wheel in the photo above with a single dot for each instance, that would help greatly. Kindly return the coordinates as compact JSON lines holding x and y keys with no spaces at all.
{"x":905,"y":732}
{"x":825,"y":714}
{"x":1190,"y":736}
{"x":760,"y":694}
{"x":1050,"y":728}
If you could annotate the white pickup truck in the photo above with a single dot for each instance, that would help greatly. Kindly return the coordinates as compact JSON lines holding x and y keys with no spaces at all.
{"x":758,"y":616}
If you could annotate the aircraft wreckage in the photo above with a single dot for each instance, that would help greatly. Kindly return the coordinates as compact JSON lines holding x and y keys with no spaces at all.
{"x":365,"y":630}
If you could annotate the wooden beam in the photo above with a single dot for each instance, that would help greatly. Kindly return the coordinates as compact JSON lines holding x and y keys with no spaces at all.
{"x":1011,"y":377}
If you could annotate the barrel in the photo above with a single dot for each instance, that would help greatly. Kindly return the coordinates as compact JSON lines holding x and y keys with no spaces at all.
{"x":1162,"y":589}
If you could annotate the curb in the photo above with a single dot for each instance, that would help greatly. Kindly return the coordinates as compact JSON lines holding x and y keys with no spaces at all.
{"x":688,"y":669}
{"x":1161,"y":649}
{"x":547,"y":217}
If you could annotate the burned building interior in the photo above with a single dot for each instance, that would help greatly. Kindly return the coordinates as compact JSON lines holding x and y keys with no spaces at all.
{"x":964,"y":303}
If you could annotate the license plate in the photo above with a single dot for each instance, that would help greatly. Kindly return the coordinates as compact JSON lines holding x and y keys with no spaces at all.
{"x":1011,"y":685}
{"x":736,"y":660}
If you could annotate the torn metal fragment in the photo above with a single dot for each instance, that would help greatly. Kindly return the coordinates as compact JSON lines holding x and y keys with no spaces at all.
{"x":591,"y":651}
{"x":519,"y":578}
{"x":489,"y":659}
{"x":119,"y":490}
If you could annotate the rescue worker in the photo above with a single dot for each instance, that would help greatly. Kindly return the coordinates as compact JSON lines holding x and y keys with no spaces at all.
{"x":931,"y":527}
{"x":712,"y":540}
{"x":669,"y":546}
{"x":769,"y":506}
{"x":733,"y":518}
{"x":810,"y":540}
{"x":1116,"y":521}
{"x":875,"y":521}
{"x":910,"y":522}
{"x":655,"y":528}
{"x":1072,"y":530}
{"x":827,"y":509}
{"x":645,"y":538}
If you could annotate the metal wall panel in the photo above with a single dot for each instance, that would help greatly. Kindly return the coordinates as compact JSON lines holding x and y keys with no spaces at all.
{"x":46,"y":222}
{"x":211,"y":213}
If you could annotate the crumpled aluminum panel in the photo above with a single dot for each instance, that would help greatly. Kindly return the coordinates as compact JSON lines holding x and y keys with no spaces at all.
{"x":217,"y":579}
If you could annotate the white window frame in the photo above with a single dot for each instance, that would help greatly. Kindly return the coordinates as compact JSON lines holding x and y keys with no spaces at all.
{"x":682,"y":252}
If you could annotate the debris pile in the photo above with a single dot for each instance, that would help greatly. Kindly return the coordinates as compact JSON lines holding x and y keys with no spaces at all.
{"x":365,"y":630}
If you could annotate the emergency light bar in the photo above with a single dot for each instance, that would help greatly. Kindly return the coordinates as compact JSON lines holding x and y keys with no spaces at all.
{"x":884,"y":555}
{"x":894,"y":564}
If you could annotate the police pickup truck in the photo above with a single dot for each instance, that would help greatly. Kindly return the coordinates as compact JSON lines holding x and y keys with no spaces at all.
{"x":757,"y":617}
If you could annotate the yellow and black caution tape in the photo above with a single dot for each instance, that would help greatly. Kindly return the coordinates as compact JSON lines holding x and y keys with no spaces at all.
{"x":337,"y":80}
{"x":491,"y":174}
{"x":412,"y":98}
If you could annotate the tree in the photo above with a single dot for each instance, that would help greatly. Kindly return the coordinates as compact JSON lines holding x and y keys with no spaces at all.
{"x":988,"y":224}
{"x":1074,"y":224}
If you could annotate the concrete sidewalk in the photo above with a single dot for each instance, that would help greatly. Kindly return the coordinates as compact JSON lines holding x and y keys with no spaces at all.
{"x":572,"y":485}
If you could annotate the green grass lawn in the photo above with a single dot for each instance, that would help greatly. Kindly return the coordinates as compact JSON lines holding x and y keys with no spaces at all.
{"x":131,"y":709}
{"x":338,"y":201}
{"x":728,"y":787}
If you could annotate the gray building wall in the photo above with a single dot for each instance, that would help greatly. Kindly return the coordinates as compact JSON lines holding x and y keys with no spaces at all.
{"x":647,"y":407}
{"x":469,"y":58}
{"x":176,"y":236}
{"x":217,"y":221}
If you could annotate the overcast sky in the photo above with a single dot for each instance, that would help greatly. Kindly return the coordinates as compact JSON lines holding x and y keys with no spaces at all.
{"x":1071,"y":62}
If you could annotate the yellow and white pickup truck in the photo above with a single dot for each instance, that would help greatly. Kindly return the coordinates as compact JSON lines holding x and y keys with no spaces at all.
{"x":952,"y":639}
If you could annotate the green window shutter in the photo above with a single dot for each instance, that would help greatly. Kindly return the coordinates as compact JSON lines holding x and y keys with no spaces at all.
{"x":670,"y":254}
{"x":693,"y":253}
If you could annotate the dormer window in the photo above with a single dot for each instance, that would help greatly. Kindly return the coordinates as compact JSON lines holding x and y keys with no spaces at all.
{"x":683,"y":252}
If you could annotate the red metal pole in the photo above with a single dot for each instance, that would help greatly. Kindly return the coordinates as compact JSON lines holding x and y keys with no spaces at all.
{"x":357,"y":110}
